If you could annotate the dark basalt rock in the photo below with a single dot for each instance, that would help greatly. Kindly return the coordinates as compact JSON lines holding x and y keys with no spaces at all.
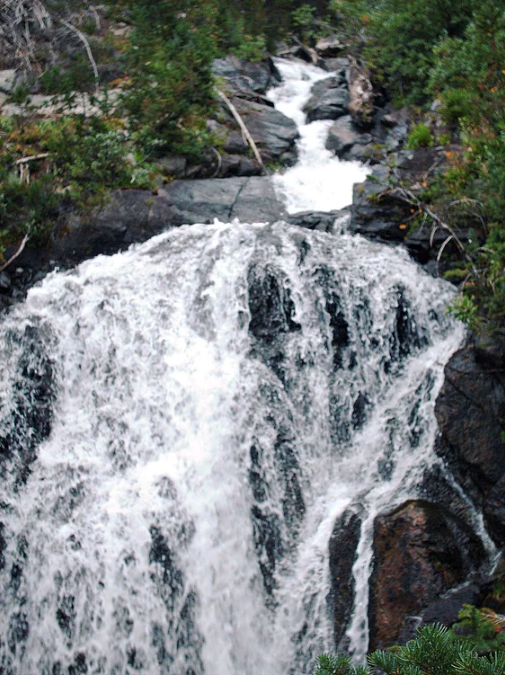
{"x":407,"y":337}
{"x":329,"y":99}
{"x":470,"y":411}
{"x":235,"y":144}
{"x":343,"y":552}
{"x":276,"y":491}
{"x":376,"y":213}
{"x":237,"y":165}
{"x":338,"y":326}
{"x":339,"y":329}
{"x":421,"y":550}
{"x":271,"y":306}
{"x":133,"y":216}
{"x":200,"y":201}
{"x":274,"y":133}
{"x":343,"y":135}
{"x":30,"y":421}
{"x":322,"y":221}
{"x":394,"y":129}
{"x":381,"y":215}
{"x":244,"y":77}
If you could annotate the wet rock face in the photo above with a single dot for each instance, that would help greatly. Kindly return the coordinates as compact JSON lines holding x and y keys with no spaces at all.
{"x":271,"y":306}
{"x":343,"y":544}
{"x":421,"y":551}
{"x":471,"y":415}
{"x":323,"y":221}
{"x":30,"y":420}
{"x":381,"y":215}
{"x":376,"y":214}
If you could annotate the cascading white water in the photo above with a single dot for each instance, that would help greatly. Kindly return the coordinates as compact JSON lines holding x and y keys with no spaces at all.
{"x":319,"y":181}
{"x":204,"y":438}
{"x":182,"y":423}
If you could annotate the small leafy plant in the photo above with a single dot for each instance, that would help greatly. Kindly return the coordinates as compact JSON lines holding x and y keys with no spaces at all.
{"x":420,"y":137}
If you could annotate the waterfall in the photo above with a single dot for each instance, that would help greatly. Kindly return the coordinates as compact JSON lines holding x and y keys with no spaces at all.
{"x":181,"y":425}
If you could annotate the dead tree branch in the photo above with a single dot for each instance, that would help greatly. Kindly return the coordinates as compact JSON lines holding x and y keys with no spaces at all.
{"x":18,"y":252}
{"x":85,"y":42}
{"x":410,"y":198}
{"x":32,"y":158}
{"x":245,"y":131}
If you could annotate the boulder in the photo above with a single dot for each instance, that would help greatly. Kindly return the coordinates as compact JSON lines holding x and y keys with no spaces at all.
{"x":237,"y":165}
{"x":396,"y":137}
{"x":274,"y":133}
{"x":343,"y":135}
{"x":328,"y":101}
{"x":470,"y":411}
{"x":301,"y":52}
{"x":421,"y":551}
{"x":235,"y":144}
{"x":414,"y":165}
{"x":376,"y":213}
{"x":338,"y":66}
{"x":392,"y":128}
{"x":322,"y":221}
{"x":245,"y":76}
{"x":173,"y":166}
{"x":200,"y":201}
{"x":329,"y":46}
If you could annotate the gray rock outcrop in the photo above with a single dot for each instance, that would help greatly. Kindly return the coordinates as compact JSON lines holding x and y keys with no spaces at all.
{"x":343,"y":136}
{"x":329,"y":99}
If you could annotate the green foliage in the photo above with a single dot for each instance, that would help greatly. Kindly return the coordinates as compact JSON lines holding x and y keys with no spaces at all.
{"x":251,"y":48}
{"x":482,"y":628}
{"x":352,"y":19}
{"x":338,"y":664}
{"x":76,"y":160}
{"x":25,"y":209}
{"x":434,"y":651}
{"x":420,"y":137}
{"x":304,"y":22}
{"x":400,"y":39}
{"x":171,"y":88}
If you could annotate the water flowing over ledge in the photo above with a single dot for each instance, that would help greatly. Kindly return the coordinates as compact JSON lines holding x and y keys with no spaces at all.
{"x":198,"y":411}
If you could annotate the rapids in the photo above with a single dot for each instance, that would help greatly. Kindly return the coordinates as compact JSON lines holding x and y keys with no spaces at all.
{"x":182,"y":423}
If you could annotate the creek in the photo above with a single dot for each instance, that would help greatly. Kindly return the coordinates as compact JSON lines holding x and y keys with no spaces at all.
{"x":182,"y":424}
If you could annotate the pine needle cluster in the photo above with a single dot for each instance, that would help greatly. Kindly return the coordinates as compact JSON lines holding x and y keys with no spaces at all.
{"x":434,"y":651}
